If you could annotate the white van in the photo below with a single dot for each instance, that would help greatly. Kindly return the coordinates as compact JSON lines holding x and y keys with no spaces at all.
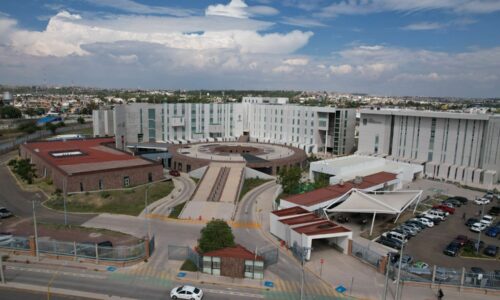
{"x":396,"y":235}
{"x":434,"y":214}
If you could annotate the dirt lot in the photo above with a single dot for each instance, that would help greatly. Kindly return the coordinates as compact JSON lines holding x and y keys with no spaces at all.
{"x":428,"y":245}
{"x":24,"y":227}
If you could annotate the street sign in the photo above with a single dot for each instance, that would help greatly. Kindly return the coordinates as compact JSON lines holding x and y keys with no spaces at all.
{"x":111,"y":269}
{"x":340,"y":289}
{"x":181,"y":274}
{"x":321,"y":261}
{"x":268,"y":284}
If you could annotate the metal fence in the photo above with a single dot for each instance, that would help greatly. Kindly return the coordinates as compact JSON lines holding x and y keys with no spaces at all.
{"x":270,"y":255}
{"x":11,"y":145}
{"x":183,"y":253}
{"x":80,"y":250}
{"x":367,"y":255}
{"x":448,"y":276}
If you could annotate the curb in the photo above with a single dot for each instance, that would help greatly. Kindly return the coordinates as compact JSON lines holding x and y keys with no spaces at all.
{"x":59,"y":291}
{"x":260,"y":287}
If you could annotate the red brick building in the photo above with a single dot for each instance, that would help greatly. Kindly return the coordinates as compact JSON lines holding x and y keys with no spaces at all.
{"x":89,"y":165}
{"x":234,"y":261}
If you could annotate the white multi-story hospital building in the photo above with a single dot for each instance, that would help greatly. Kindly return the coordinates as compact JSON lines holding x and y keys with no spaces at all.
{"x":261,"y":119}
{"x":458,"y":147}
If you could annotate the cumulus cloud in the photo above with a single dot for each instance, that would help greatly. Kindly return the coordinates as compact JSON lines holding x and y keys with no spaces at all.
{"x":134,"y":7}
{"x":342,"y":69}
{"x":299,"y":61}
{"x":239,"y":9}
{"x":66,"y":33}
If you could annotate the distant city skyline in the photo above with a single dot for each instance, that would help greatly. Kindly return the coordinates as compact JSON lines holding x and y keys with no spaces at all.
{"x":447,"y":48}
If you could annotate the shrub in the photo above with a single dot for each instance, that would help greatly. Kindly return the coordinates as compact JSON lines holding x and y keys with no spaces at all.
{"x":105,"y":195}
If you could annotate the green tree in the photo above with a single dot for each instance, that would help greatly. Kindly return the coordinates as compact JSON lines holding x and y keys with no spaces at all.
{"x":25,"y":170}
{"x":28,"y":127}
{"x":10,"y":112}
{"x":216,"y":235}
{"x":80,"y":120}
{"x":321,"y":181}
{"x":30,"y":111}
{"x":289,"y":178}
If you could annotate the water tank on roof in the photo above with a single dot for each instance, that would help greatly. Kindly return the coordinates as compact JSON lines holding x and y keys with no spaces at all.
{"x":7,"y":97}
{"x":358,"y":179}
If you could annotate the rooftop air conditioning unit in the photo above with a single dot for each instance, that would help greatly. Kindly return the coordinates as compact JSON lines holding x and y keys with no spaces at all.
{"x":358,"y":179}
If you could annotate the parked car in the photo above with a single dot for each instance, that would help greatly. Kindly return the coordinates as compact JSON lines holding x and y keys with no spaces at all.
{"x":426,"y":221}
{"x":444,"y":214}
{"x":409,"y":231}
{"x":477,"y":271}
{"x":461,"y":239}
{"x":5,"y":213}
{"x":174,"y":173}
{"x":414,"y":225}
{"x":444,"y":208}
{"x":421,"y":265}
{"x":452,"y":249}
{"x":494,"y":211}
{"x":487,"y":219}
{"x":491,"y":250}
{"x":482,"y":201}
{"x":462,"y":200}
{"x":395,"y":235}
{"x":5,"y":238}
{"x":186,"y":292}
{"x":396,"y":244}
{"x":477,"y":227}
{"x":452,"y":201}
{"x":471,"y":221}
{"x":493,"y":231}
{"x":406,"y":260}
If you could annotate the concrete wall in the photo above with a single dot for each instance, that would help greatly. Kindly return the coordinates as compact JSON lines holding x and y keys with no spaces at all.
{"x":251,"y":173}
{"x":198,"y":173}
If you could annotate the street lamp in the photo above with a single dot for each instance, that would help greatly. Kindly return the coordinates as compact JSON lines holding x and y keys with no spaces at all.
{"x":64,"y":200}
{"x":146,"y":212}
{"x":303,"y":255}
{"x":399,"y":269}
{"x":479,"y":234}
{"x":36,"y":199}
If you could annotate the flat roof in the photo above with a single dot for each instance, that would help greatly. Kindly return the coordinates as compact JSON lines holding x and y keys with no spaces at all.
{"x":301,"y":219}
{"x":85,"y":155}
{"x":337,"y":190}
{"x":325,"y":227}
{"x":427,"y":113}
{"x":296,"y":210}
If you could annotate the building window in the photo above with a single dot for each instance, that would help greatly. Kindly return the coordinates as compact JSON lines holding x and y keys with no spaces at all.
{"x":140,"y":137}
{"x":101,"y":184}
{"x":365,"y":121}
{"x":81,"y":186}
{"x":126,"y":181}
{"x":150,"y":177}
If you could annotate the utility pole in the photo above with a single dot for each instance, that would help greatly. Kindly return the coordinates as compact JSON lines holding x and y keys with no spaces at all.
{"x":387,"y":267}
{"x":399,"y":269}
{"x":146,"y":212}
{"x":479,"y":234}
{"x":64,"y":200}
{"x":36,"y":230}
{"x":303,"y":255}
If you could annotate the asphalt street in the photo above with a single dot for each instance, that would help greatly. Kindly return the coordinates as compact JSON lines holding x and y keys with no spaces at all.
{"x":15,"y":294}
{"x":109,"y":283}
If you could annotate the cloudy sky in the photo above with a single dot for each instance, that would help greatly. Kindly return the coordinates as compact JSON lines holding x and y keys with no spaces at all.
{"x":386,"y":47}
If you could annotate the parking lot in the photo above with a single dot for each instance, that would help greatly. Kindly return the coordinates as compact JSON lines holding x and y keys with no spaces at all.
{"x":428,"y":246}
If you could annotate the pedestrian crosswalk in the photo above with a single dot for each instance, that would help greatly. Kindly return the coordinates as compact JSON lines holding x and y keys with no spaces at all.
{"x":284,"y":289}
{"x":144,"y":274}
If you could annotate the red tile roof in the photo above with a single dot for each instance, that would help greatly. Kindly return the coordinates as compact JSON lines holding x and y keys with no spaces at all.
{"x":325,"y":227}
{"x":296,"y":210}
{"x":237,"y":251}
{"x":301,"y":219}
{"x":337,"y":190}
{"x":95,"y":154}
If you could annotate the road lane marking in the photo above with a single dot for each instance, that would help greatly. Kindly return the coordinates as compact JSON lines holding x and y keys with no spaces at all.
{"x":233,"y":293}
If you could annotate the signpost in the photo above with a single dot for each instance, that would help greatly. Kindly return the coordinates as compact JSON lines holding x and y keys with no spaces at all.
{"x":321,"y":261}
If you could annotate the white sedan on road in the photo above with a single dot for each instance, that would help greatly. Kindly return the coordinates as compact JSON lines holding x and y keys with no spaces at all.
{"x":186,"y":292}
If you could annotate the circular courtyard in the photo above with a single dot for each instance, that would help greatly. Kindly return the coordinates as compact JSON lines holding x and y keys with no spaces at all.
{"x":266,"y":158}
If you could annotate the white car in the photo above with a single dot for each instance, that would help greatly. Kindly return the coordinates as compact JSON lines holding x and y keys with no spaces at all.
{"x":186,"y":292}
{"x":487,"y":220}
{"x":482,"y":201}
{"x":477,"y":227}
{"x":425,"y":221}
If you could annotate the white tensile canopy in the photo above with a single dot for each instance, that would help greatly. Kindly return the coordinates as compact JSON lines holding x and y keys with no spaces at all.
{"x":384,"y":202}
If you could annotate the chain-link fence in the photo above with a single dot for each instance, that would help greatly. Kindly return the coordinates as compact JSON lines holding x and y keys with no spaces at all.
{"x":367,"y":255}
{"x":183,"y":253}
{"x":82,"y":250}
{"x":270,"y":255}
{"x":14,"y":242}
{"x":476,"y":278}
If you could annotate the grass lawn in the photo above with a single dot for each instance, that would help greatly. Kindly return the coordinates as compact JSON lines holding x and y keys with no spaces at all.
{"x":83,"y":131}
{"x":177,"y":210}
{"x":189,"y":266}
{"x":127,"y":202}
{"x":196,"y":180}
{"x":251,"y":183}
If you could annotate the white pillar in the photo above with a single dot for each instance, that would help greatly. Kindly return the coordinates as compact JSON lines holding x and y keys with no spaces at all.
{"x":373,"y":222}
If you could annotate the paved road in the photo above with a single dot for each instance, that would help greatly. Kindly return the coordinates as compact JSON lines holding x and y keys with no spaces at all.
{"x":20,"y":202}
{"x":15,"y":294}
{"x":122,"y":285}
{"x":184,"y":189}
